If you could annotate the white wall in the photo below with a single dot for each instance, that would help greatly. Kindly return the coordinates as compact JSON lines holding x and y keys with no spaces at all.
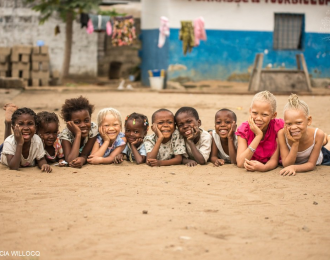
{"x":24,"y":29}
{"x":232,"y":16}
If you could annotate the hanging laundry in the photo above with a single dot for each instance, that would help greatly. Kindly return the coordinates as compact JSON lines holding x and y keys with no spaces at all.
{"x":84,"y":18}
{"x":123,"y":31}
{"x":164,"y":31}
{"x":199,"y":30}
{"x":187,"y":36}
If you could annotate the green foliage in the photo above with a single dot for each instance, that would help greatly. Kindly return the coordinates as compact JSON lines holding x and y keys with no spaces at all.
{"x":62,"y":7}
{"x":111,"y":13}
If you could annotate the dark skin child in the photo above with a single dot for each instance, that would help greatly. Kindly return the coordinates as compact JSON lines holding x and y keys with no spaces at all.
{"x":48,"y":133}
{"x":134,"y":132}
{"x":24,"y":129}
{"x":188,"y":127}
{"x":163,"y":126}
{"x":225,"y":127}
{"x":80,"y":125}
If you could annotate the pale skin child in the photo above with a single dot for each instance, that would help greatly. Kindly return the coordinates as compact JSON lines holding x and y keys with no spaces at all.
{"x":136,"y":128}
{"x":48,"y":130}
{"x":80,"y":133}
{"x":225,"y":127}
{"x":258,"y":148}
{"x":305,"y":142}
{"x":110,"y":141}
{"x":197,"y":140}
{"x":159,"y":151}
{"x":19,"y":144}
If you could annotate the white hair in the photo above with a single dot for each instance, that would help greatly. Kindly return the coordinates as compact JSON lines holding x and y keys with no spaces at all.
{"x":295,"y":103}
{"x":105,"y":111}
{"x":265,"y":96}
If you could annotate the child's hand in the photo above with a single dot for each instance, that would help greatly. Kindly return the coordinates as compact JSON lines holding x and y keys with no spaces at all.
{"x":77,"y":163}
{"x":62,"y":163}
{"x":137,"y":142}
{"x":191,"y":163}
{"x":256,"y":130}
{"x":231,"y":134}
{"x":219,"y":162}
{"x":118,"y":158}
{"x":103,"y":134}
{"x":153,"y":162}
{"x":92,"y":159}
{"x":46,"y":168}
{"x":288,"y":171}
{"x":289,"y":136}
{"x":156,"y":130}
{"x":252,"y":165}
{"x":18,"y":135}
{"x":73,"y":128}
{"x":194,"y":133}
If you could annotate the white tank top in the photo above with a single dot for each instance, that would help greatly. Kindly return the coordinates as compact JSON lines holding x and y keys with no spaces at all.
{"x":302,"y":157}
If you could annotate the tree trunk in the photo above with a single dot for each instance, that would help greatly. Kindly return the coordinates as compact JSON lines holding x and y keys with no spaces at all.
{"x":68,"y":45}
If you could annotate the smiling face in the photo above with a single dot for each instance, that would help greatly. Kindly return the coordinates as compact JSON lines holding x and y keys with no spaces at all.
{"x":223,"y":123}
{"x":296,"y":122}
{"x":26,"y":125}
{"x":48,"y":133}
{"x":186,"y":123}
{"x":134,"y":129}
{"x":261,"y":113}
{"x":165,"y":123}
{"x":112,"y":126}
{"x":82,"y":119}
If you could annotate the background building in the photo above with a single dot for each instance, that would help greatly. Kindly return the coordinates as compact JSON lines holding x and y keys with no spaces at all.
{"x":236,"y":31}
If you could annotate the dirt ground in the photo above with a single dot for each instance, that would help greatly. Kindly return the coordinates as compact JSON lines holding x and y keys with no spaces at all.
{"x":192,"y":213}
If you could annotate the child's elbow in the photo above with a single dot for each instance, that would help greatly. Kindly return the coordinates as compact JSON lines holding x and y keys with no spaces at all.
{"x":240,"y":164}
{"x":14,"y":168}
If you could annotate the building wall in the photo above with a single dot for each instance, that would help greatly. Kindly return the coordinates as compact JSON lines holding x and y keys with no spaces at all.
{"x":19,"y":25}
{"x":127,"y":55}
{"x":236,"y":32}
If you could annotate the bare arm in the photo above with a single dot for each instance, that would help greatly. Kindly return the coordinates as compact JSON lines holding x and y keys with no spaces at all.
{"x":93,"y":159}
{"x":214,"y":152}
{"x":71,"y":151}
{"x":138,"y":157}
{"x":174,"y":161}
{"x":243,"y":152}
{"x":232,"y":150}
{"x":14,"y":161}
{"x":196,"y":153}
{"x":288,"y":156}
{"x":154,"y":152}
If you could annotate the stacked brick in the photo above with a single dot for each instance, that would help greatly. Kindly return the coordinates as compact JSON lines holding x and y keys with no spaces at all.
{"x":40,"y":66}
{"x":4,"y":61}
{"x":20,"y":63}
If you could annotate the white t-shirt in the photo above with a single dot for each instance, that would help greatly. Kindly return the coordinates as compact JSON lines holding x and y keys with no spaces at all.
{"x":203,"y":145}
{"x":37,"y":151}
{"x":221,"y":152}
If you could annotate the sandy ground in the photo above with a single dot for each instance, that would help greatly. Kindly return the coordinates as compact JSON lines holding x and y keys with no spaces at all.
{"x":193,"y":213}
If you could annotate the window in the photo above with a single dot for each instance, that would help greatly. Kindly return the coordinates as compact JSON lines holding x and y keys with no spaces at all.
{"x":288,"y":31}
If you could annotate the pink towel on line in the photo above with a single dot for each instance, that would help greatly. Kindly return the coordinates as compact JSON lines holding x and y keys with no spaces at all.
{"x":199,"y":30}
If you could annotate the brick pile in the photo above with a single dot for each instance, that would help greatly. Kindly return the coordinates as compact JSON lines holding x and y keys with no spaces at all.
{"x":20,"y":63}
{"x":40,"y":66}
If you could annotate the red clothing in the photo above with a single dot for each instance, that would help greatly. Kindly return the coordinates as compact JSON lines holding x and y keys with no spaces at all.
{"x":268,"y":145}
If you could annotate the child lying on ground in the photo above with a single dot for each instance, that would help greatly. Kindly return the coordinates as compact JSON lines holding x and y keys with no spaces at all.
{"x":166,"y":146}
{"x":198,"y":141}
{"x":301,"y":146}
{"x":24,"y":147}
{"x":110,"y":141}
{"x":257,"y":138}
{"x":224,"y":141}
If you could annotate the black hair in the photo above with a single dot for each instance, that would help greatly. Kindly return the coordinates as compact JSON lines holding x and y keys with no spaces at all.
{"x":45,"y":117}
{"x":75,"y":104}
{"x":21,"y":111}
{"x":139,"y":117}
{"x":230,"y":111}
{"x":159,"y":110}
{"x":190,"y":110}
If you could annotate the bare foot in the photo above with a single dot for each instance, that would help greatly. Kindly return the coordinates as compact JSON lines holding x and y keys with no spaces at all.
{"x":10,"y":108}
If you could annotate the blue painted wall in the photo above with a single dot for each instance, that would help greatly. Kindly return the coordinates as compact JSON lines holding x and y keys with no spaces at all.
{"x":228,"y":52}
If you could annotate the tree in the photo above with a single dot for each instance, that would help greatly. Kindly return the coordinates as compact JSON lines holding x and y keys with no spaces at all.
{"x":67,"y":10}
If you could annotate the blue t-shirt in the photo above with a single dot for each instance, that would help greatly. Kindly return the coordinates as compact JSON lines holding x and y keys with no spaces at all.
{"x":128,"y":151}
{"x":118,"y":142}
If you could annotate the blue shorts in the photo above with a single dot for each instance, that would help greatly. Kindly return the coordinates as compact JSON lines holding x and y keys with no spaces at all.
{"x":1,"y":148}
{"x":326,"y":156}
